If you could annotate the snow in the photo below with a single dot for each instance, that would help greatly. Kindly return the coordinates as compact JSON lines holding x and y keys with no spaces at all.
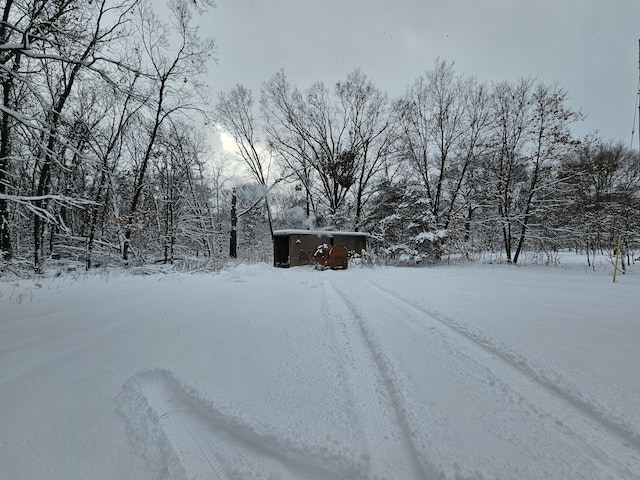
{"x":319,"y":233}
{"x":431,"y":236}
{"x":446,"y":372}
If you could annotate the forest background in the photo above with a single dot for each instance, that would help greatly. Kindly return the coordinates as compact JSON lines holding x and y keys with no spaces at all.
{"x":105,"y":156}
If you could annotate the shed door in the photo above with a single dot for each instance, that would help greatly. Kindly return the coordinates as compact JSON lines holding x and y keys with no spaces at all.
{"x":281,"y":251}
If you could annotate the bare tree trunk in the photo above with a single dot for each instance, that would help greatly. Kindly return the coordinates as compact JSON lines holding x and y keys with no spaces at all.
{"x":506,"y":234}
{"x":44,"y":182}
{"x":5,"y":132}
{"x":5,"y":233}
{"x":233,"y":243}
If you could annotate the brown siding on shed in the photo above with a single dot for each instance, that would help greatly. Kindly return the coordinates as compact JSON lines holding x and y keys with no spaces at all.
{"x":300,"y":245}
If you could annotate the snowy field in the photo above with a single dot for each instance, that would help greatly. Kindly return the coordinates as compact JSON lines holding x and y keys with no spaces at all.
{"x":448,"y":372}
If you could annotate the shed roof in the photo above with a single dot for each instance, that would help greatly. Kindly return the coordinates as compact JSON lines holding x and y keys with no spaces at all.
{"x":318,"y":233}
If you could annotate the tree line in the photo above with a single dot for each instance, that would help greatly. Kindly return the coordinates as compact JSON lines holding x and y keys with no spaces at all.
{"x":98,"y":155}
{"x":454,"y":166}
{"x":104,"y":157}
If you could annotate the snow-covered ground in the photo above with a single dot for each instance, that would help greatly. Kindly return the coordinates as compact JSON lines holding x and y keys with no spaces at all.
{"x":448,"y":372}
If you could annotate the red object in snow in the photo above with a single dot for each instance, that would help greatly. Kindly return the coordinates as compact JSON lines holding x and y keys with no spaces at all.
{"x":334,"y":257}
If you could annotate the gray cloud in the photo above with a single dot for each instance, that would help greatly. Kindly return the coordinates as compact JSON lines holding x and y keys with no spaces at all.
{"x":590,"y":47}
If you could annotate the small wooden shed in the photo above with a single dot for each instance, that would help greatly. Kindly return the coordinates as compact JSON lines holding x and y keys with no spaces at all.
{"x":296,"y":247}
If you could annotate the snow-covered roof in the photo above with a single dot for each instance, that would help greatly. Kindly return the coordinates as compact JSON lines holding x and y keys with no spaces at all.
{"x":319,"y":233}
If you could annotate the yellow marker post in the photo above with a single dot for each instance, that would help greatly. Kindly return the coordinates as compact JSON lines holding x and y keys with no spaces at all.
{"x":615,"y":269}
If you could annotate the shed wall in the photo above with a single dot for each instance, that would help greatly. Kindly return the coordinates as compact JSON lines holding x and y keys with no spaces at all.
{"x":301,"y":246}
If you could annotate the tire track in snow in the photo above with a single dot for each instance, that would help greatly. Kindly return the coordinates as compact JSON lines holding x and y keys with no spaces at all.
{"x":180,"y":424}
{"x":615,"y":442}
{"x":391,"y":451}
{"x":212,"y":442}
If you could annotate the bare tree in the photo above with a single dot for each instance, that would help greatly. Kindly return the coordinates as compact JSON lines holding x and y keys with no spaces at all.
{"x":235,"y":113}
{"x":531,"y":135}
{"x":371,"y":124}
{"x":86,"y":88}
{"x":333,"y":140}
{"x":47,"y":50}
{"x":9,"y":66}
{"x":64,"y":54}
{"x":550,"y":141}
{"x":511,"y":116}
{"x":600,"y":184}
{"x":283,"y":109}
{"x":173,"y":67}
{"x":435,"y":129}
{"x":121,"y":114}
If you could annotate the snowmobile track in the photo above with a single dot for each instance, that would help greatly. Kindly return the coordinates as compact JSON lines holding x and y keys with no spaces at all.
{"x":181,"y":426}
{"x":595,"y":428}
{"x":210,"y":443}
{"x":380,"y":404}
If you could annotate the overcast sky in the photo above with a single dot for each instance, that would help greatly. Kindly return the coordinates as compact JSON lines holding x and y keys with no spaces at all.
{"x":589,"y":46}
